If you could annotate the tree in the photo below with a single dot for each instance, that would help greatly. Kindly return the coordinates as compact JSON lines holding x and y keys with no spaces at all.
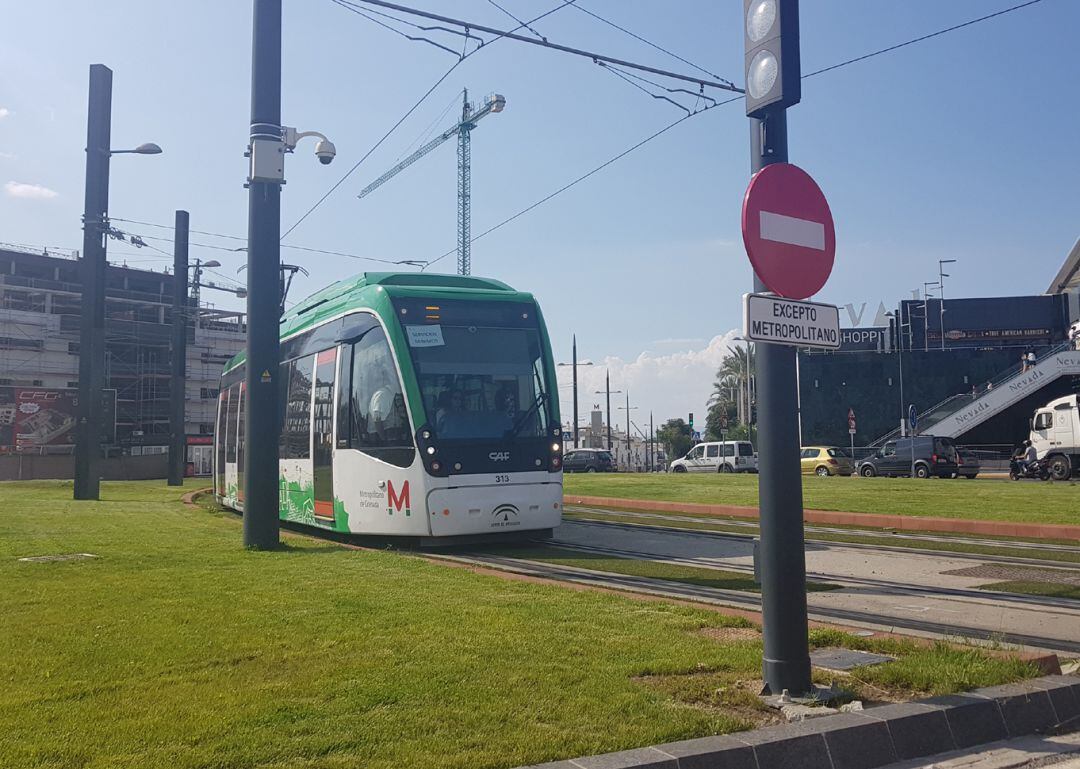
{"x":676,"y":438}
{"x":738,"y":368}
{"x":721,"y":419}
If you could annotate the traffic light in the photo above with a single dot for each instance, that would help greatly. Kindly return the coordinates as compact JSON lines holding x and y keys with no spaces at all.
{"x":691,"y":421}
{"x":753,"y":412}
{"x":771,"y":42}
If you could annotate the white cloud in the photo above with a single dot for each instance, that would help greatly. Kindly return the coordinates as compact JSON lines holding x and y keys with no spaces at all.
{"x":29,"y":191}
{"x":669,"y":385}
{"x":4,"y":112}
{"x":8,"y":156}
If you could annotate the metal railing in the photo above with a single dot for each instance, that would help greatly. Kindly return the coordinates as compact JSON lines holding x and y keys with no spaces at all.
{"x":940,"y":411}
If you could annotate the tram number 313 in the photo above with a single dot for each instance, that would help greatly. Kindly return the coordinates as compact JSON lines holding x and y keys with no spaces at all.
{"x":502,"y":479}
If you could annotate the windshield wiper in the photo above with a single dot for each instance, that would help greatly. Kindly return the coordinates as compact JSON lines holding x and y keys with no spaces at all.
{"x":541,"y":399}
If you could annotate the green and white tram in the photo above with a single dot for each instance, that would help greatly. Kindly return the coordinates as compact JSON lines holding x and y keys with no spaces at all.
{"x":411,"y":405}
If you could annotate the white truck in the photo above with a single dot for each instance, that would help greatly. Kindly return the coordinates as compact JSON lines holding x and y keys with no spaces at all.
{"x":1055,"y":434}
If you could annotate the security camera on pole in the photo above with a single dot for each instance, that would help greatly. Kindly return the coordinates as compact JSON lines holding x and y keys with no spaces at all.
{"x":268,"y":143}
{"x":789,"y":237}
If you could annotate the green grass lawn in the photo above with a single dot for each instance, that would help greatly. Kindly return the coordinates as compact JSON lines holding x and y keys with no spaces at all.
{"x":986,"y":499}
{"x":176,"y":647}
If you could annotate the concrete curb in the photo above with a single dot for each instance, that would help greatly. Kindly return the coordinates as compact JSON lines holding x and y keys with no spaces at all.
{"x":835,"y":517}
{"x":872,"y":738}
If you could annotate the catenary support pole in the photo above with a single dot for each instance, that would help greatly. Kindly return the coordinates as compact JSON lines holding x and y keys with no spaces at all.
{"x":786,"y":661}
{"x":92,"y":271}
{"x":178,"y":383}
{"x":574,"y":366}
{"x":263,"y":269}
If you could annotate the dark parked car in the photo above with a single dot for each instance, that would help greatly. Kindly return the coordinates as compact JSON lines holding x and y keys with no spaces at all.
{"x":967,"y":464}
{"x":931,"y":456}
{"x":588,"y":461}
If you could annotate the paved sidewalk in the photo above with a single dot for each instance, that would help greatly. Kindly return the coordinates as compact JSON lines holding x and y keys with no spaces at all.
{"x":1061,"y":752}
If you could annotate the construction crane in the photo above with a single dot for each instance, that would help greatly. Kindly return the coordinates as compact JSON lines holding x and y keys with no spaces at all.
{"x":493,"y":103}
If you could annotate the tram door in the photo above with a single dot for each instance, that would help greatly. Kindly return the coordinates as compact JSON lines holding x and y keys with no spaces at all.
{"x":322,"y":428}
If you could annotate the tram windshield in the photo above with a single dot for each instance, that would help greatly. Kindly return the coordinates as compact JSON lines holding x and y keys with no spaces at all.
{"x":480,"y":368}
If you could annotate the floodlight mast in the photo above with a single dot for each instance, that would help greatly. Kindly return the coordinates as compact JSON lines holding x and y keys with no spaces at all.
{"x":462,"y":129}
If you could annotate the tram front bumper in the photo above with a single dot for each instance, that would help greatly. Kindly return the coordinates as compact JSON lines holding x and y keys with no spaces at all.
{"x":495,"y":508}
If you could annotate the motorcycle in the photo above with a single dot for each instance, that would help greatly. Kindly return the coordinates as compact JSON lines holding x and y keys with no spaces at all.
{"x":1037,"y":469}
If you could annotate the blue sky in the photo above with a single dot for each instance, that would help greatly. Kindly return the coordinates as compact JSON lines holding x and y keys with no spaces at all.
{"x":960,"y":147}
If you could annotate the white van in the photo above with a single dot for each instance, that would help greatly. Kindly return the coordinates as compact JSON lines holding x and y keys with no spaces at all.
{"x":718,"y":457}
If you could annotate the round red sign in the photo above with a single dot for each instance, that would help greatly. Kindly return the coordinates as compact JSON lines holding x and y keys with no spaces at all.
{"x":788,"y":231}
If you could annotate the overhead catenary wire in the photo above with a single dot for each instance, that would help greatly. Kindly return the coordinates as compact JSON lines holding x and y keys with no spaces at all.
{"x":308,"y":249}
{"x":920,"y":39}
{"x":684,"y":118}
{"x":725,"y":85}
{"x":519,"y":21}
{"x":624,"y":153}
{"x":401,"y":120}
{"x":589,"y":173}
{"x":660,"y":48}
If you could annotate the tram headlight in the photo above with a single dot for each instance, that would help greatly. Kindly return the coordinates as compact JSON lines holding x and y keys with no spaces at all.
{"x":430,"y":450}
{"x":556,"y":447}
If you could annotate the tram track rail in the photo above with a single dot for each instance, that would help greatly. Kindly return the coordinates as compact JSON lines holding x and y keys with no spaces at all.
{"x":752,"y":529}
{"x":1061,"y":606}
{"x":719,"y":597}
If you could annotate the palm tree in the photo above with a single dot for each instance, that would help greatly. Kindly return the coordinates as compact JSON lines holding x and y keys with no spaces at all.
{"x":738,"y":366}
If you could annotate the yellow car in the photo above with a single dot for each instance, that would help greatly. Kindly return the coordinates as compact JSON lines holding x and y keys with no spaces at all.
{"x":826,"y":460}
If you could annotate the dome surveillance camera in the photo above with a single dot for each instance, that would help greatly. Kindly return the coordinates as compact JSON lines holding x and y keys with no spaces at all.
{"x":325,"y":151}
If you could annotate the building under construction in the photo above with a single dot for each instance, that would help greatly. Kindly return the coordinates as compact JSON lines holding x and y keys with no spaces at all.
{"x":40,"y":306}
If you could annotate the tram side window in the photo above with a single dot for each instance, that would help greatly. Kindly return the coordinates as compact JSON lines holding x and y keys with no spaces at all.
{"x":296,"y":432}
{"x":230,"y":423}
{"x":378,"y":423}
{"x":223,"y":415}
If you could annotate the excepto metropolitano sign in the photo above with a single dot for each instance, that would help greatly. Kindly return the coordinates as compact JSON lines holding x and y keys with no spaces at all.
{"x":775,"y":320}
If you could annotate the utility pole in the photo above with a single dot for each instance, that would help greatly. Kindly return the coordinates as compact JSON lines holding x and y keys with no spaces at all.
{"x":575,"y":393}
{"x":652,"y":445}
{"x":773,"y":84}
{"x":628,"y":410}
{"x":181,"y":310}
{"x":92,"y":320}
{"x":608,"y":392}
{"x":267,"y":173}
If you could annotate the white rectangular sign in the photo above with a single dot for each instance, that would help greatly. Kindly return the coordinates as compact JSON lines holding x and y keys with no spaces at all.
{"x":775,"y":320}
{"x":792,"y":230}
{"x":425,"y":336}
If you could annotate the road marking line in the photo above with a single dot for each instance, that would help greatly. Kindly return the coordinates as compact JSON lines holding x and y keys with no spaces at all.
{"x":791,"y":230}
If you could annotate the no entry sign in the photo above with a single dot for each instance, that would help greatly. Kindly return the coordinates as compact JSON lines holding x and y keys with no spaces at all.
{"x":788,"y":231}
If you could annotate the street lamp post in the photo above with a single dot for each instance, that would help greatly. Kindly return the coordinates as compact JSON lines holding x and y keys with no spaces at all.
{"x":926,"y":314}
{"x":941,"y":301}
{"x":900,"y":325}
{"x":93,"y":267}
{"x":608,"y":392}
